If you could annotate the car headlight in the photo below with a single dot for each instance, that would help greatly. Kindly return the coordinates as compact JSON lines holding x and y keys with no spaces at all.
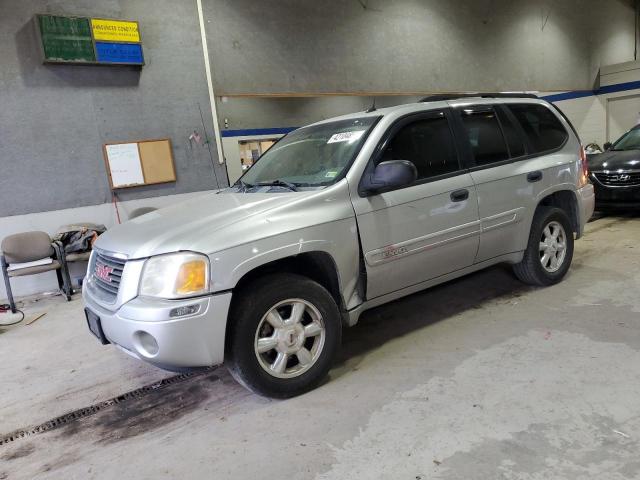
{"x":175,"y":275}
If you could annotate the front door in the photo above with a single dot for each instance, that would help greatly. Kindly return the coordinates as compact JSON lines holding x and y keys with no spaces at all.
{"x":424,"y":230}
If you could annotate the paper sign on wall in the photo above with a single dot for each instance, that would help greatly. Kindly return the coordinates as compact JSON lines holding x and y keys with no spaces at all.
{"x":124,"y":164}
{"x":115,"y":30}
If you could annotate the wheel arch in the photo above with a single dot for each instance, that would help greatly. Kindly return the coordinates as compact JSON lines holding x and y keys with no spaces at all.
{"x":316,"y":265}
{"x":564,"y":199}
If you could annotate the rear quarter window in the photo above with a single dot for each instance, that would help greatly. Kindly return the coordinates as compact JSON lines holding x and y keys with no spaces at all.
{"x":541,"y":126}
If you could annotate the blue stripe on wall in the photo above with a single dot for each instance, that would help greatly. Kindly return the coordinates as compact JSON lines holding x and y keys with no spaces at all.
{"x":618,"y":87}
{"x":257,"y":131}
{"x":568,"y":95}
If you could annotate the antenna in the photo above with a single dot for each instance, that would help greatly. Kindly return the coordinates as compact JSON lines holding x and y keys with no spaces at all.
{"x":372,"y":108}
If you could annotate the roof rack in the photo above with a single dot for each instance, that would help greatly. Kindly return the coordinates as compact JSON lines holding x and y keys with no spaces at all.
{"x":455,"y":96}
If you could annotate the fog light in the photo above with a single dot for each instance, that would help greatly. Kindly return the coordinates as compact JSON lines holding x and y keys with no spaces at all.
{"x":182,"y":311}
{"x":145,"y":343}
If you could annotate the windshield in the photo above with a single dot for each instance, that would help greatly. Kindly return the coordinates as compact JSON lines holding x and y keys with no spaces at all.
{"x":313,"y":156}
{"x":629,"y":141}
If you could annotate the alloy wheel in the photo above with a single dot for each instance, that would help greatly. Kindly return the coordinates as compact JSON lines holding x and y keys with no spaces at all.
{"x":553,"y":247}
{"x":289,"y":338}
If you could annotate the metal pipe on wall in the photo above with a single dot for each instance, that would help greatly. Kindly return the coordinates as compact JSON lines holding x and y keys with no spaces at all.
{"x":212,"y":98}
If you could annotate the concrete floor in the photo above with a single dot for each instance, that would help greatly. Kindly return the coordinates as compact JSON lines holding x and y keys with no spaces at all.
{"x":480,"y":378}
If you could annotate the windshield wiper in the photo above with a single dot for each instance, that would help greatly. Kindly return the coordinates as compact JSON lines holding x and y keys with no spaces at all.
{"x":243,"y":185}
{"x":279,"y":183}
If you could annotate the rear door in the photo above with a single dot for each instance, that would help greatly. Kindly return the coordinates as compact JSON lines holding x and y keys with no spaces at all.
{"x":424,"y":230}
{"x":505,"y":147}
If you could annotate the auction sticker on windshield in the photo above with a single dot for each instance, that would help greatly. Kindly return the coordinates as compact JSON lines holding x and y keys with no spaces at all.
{"x":346,"y":136}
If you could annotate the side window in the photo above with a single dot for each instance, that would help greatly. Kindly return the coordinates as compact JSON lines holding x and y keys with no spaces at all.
{"x":485,"y":136}
{"x":542,"y":127}
{"x":428,"y":144}
{"x":514,"y":140}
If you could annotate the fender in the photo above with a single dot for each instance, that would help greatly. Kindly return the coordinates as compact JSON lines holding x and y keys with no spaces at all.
{"x":339,"y":242}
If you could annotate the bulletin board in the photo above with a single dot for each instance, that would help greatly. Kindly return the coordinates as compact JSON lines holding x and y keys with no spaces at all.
{"x":134,"y":164}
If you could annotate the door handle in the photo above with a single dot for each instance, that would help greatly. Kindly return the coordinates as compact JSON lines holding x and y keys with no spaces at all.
{"x":534,"y":176}
{"x":459,"y":195}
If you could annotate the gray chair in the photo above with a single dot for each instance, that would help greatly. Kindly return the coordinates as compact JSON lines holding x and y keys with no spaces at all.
{"x":29,"y":247}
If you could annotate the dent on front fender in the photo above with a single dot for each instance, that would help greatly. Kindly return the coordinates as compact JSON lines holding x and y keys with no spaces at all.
{"x":338,"y":239}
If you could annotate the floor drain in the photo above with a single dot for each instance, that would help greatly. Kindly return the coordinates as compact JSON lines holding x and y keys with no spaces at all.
{"x":85,"y":412}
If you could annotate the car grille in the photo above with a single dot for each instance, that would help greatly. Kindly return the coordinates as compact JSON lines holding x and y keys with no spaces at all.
{"x":618,"y":179}
{"x":107,"y":274}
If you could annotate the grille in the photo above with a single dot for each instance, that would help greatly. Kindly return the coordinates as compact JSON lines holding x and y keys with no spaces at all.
{"x":107,"y":274}
{"x":618,"y":179}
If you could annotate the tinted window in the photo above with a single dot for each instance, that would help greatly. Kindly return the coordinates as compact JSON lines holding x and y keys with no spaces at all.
{"x":514,"y":140}
{"x":542,"y":127}
{"x":428,"y":144}
{"x":485,"y":137}
{"x":629,"y":141}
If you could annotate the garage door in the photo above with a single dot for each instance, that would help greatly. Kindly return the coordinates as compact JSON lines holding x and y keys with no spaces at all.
{"x":622,"y":114}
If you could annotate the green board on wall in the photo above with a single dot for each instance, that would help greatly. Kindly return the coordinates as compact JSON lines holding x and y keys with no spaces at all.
{"x":66,"y":39}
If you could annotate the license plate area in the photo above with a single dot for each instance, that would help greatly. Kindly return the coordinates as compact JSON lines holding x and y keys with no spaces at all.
{"x":95,"y":326}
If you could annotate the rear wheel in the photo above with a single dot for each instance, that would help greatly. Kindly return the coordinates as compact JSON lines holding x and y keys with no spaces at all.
{"x":284,"y":333}
{"x":549,"y":250}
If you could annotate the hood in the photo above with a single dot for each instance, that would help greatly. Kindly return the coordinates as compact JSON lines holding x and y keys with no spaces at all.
{"x":181,"y":226}
{"x":612,"y":160}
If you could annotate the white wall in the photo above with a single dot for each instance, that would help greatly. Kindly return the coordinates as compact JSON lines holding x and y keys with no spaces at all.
{"x":50,"y":222}
{"x":589,"y":114}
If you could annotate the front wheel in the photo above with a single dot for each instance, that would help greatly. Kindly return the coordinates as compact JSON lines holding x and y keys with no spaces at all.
{"x":284,"y":332}
{"x":549,"y":250}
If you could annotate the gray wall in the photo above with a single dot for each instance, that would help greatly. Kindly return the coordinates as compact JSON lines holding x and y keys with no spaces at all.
{"x":408,"y":46}
{"x":295,"y":47}
{"x":241,"y":113}
{"x":55,"y":118}
{"x":611,"y":38}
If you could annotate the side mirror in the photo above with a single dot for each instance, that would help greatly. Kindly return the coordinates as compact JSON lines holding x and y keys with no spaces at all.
{"x":389,"y":175}
{"x":607,"y":146}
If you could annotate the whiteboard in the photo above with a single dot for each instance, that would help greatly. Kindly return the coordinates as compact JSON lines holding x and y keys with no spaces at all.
{"x":125,"y":168}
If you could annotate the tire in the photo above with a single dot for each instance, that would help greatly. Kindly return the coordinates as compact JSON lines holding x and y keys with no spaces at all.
{"x":531,"y":270}
{"x":277,"y":366}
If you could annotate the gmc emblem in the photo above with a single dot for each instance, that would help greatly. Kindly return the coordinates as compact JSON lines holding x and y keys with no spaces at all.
{"x":103,"y":272}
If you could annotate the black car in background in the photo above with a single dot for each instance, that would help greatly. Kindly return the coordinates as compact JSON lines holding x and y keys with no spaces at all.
{"x":615,"y":174}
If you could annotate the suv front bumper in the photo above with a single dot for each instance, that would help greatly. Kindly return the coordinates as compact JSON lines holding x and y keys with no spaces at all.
{"x":144,"y":329}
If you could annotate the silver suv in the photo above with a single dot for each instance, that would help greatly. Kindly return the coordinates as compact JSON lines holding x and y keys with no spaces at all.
{"x":338,"y":217}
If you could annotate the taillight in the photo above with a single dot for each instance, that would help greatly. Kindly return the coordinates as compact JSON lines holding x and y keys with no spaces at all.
{"x":583,"y":175}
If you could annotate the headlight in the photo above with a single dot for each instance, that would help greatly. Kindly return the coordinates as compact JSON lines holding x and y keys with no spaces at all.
{"x":175,"y":275}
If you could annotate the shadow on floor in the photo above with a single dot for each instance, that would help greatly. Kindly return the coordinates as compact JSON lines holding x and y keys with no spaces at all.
{"x":401,"y":317}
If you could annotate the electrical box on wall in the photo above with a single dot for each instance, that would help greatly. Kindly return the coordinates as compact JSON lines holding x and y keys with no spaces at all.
{"x":93,"y":41}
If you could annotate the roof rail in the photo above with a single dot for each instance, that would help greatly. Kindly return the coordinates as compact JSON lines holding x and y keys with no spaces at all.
{"x":454,"y":96}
